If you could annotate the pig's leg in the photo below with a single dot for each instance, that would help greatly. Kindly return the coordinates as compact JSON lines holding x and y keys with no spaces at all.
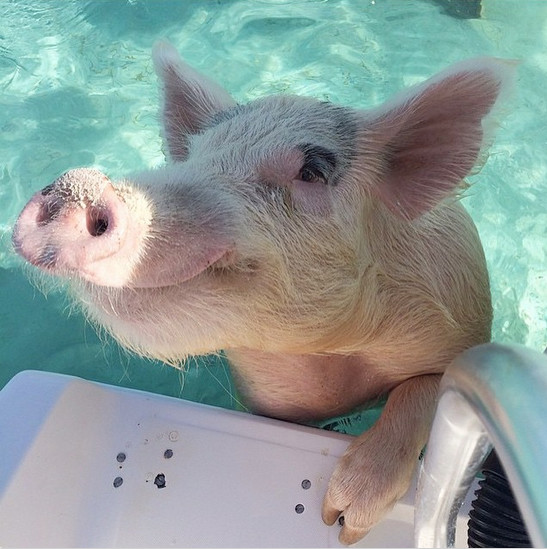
{"x":377,"y":467}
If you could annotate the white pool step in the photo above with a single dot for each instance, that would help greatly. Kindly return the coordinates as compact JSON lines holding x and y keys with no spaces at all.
{"x":90,"y":465}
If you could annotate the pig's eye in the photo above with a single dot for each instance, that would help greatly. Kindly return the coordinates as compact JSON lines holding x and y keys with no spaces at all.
{"x":319,"y":164}
{"x":310,"y":175}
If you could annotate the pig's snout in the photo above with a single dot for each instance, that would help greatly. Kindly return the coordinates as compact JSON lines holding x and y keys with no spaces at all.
{"x":98,"y":219}
{"x":78,"y":225}
{"x":97,"y":216}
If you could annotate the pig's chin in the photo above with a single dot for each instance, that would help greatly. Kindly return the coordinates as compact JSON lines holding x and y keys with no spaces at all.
{"x":168,"y":322}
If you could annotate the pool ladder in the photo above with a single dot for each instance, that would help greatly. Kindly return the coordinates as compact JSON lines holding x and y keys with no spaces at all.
{"x":491,"y":396}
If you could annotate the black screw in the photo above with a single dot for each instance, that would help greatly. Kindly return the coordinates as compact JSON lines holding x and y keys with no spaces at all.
{"x":299,"y":508}
{"x":118,"y":481}
{"x":159,"y":481}
{"x":341,"y":520}
{"x":120,"y":458}
{"x":168,"y":454}
{"x":306,"y":484}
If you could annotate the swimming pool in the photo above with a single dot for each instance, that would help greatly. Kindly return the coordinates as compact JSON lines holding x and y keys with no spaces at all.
{"x":78,"y":88}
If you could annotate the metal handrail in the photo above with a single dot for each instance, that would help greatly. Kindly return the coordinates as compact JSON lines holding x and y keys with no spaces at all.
{"x":491,"y":394}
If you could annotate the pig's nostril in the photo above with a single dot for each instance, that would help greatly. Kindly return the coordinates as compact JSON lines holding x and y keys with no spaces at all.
{"x":48,"y":212}
{"x":97,"y":221}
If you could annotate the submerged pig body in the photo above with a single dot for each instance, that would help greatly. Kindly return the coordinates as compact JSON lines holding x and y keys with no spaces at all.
{"x":320,"y":246}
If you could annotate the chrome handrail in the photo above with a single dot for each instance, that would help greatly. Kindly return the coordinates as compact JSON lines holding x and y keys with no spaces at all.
{"x":491,"y":394}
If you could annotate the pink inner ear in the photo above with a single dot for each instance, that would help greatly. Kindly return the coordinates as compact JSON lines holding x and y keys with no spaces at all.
{"x":190,"y":99}
{"x":432,"y":138}
{"x":180,"y":115}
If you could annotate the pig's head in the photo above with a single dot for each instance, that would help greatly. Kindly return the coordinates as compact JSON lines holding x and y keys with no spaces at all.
{"x":267,"y":227}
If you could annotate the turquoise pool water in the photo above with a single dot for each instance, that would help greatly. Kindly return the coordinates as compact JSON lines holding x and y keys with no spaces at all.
{"x":78,"y":88}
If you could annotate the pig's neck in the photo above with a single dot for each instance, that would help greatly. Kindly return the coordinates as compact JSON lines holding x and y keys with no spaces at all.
{"x":306,"y":387}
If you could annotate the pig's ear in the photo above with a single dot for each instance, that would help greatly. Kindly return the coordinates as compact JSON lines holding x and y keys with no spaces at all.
{"x":190,"y":99}
{"x":430,"y":137}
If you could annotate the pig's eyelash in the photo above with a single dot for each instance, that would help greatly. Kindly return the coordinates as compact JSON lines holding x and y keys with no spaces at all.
{"x":311,"y":174}
{"x":319,"y":164}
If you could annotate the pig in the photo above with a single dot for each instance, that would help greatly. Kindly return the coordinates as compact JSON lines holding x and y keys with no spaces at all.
{"x":323,"y":248}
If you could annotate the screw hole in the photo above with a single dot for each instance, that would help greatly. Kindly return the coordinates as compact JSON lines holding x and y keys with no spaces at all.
{"x":159,"y":481}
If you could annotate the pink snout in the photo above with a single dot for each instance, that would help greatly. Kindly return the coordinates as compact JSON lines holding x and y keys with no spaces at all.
{"x":78,"y":225}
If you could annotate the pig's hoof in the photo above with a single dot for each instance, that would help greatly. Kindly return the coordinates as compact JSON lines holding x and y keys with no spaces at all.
{"x":367,"y":482}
